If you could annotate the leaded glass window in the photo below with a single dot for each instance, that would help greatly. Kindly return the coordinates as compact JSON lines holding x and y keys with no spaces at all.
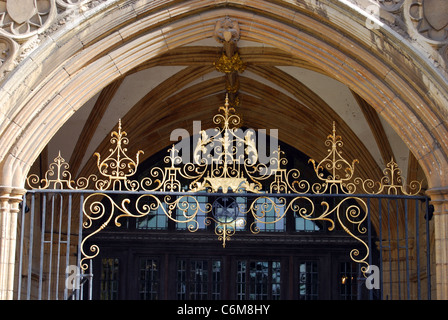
{"x":109,"y":279}
{"x":349,"y":281}
{"x":308,"y":280}
{"x":149,"y":279}
{"x":199,"y":279}
{"x":258,"y":280}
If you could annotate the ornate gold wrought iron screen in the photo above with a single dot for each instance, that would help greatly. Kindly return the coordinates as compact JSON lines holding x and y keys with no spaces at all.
{"x":224,"y":163}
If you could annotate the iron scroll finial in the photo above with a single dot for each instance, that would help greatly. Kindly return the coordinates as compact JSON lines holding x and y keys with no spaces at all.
{"x":117,"y":167}
{"x":335,"y":172}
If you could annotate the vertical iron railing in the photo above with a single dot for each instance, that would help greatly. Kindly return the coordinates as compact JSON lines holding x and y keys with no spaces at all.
{"x":50,"y":232}
{"x":48,"y":251}
{"x":404,"y":246}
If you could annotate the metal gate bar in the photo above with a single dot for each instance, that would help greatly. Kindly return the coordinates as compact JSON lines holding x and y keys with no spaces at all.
{"x":49,"y":210}
{"x":386,"y":247}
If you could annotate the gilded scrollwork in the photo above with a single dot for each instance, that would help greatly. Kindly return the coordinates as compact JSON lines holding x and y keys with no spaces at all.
{"x":335,"y":172}
{"x":391,"y":183}
{"x":95,"y":210}
{"x":58,"y":176}
{"x":117,"y":167}
{"x":233,"y":170}
{"x":354,"y":215}
{"x":104,"y":208}
{"x":266,"y":210}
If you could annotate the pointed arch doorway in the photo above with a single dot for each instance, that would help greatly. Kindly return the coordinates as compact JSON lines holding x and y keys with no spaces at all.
{"x":25,"y":151}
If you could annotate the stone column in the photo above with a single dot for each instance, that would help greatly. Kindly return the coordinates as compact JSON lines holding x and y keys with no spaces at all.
{"x":439,"y":199}
{"x":9,"y":209}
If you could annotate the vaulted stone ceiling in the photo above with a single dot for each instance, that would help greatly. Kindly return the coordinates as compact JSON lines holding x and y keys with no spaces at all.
{"x":277,"y":91}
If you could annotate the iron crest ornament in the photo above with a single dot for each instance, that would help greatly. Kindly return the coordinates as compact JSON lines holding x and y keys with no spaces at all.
{"x":225,"y":165}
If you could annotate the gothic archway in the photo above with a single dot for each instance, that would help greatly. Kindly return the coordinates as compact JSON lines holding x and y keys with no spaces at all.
{"x":71,"y":65}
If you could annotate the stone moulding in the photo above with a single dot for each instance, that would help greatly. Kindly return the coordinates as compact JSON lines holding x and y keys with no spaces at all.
{"x":21,"y":20}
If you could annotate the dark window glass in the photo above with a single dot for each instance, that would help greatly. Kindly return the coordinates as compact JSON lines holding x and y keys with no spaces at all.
{"x":308,"y":280}
{"x":349,"y":281}
{"x":258,"y":280}
{"x":187,"y":207}
{"x":270,"y":215}
{"x":199,"y":279}
{"x":149,"y":279}
{"x":109,"y":279}
{"x":155,"y":220}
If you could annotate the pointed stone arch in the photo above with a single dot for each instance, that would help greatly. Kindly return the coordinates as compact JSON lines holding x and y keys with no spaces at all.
{"x":76,"y":64}
{"x":71,"y":65}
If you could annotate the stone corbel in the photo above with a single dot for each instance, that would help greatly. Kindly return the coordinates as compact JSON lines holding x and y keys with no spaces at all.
{"x":227,"y":32}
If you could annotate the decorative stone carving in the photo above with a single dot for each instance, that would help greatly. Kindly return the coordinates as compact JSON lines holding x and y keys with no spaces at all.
{"x":227,"y":30}
{"x":23,"y":24}
{"x":8,"y":52}
{"x":21,"y":19}
{"x":391,"y":5}
{"x":75,"y":8}
{"x":425,"y":22}
{"x":430,"y":18}
{"x":5,"y":50}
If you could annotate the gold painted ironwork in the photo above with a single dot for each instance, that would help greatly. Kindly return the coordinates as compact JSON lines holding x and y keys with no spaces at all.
{"x":340,"y":170}
{"x":391,"y":183}
{"x":58,"y":176}
{"x":232,"y":167}
{"x":118,"y":166}
{"x":227,"y":64}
